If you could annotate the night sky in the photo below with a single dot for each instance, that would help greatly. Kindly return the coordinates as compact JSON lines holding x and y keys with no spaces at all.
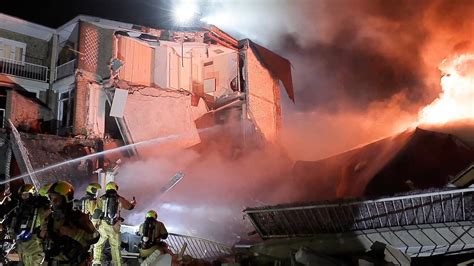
{"x":54,"y":13}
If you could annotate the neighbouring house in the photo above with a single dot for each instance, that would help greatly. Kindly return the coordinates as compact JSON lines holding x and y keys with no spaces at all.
{"x":119,"y":83}
{"x":22,"y":107}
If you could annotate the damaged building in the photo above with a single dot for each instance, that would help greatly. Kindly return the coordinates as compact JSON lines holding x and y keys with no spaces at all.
{"x":114,"y":84}
{"x":135,"y":83}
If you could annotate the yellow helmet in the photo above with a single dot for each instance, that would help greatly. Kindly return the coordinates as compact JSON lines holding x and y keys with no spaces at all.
{"x":111,"y":186}
{"x":151,"y":214}
{"x":63,"y":188}
{"x":27,"y":188}
{"x":43,"y":191}
{"x":92,"y":188}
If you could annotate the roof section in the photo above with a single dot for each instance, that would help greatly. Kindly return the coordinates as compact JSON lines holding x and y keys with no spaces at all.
{"x":15,"y":24}
{"x":96,"y":20}
{"x":421,"y":224}
{"x":279,"y":67}
{"x":302,"y":220}
{"x":413,"y":159}
{"x":49,"y":156}
{"x":6,"y":82}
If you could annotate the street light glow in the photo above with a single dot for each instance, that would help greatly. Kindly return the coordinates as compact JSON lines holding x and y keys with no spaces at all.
{"x":184,"y":12}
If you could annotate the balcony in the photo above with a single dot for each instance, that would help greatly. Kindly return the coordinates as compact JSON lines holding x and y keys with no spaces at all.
{"x":65,"y":69}
{"x":24,"y":70}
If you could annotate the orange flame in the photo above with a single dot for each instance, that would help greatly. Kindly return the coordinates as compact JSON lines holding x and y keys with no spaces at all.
{"x":456,"y":102}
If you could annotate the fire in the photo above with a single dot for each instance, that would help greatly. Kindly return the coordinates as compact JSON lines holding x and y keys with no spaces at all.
{"x":456,"y":102}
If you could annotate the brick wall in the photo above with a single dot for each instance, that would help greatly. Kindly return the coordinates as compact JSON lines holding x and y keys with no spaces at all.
{"x":96,"y":48}
{"x":263,"y":98}
{"x":95,"y":45}
{"x":25,"y":113}
{"x":81,"y":105}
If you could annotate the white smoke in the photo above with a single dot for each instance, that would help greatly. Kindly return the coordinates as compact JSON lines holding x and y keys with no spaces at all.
{"x":209,"y":200}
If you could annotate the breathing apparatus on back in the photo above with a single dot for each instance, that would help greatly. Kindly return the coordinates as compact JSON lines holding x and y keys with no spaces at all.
{"x":110,"y":208}
{"x":23,"y":224}
{"x":148,"y":237}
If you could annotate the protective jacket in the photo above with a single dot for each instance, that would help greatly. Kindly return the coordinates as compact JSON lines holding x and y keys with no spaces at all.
{"x":152,"y":233}
{"x":24,"y":224}
{"x":107,"y":219}
{"x":69,"y":248}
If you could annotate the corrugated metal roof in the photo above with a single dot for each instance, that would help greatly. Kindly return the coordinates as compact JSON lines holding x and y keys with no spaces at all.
{"x":303,"y":220}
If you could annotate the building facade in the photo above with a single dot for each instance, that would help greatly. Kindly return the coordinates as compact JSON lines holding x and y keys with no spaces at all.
{"x":117,"y":81}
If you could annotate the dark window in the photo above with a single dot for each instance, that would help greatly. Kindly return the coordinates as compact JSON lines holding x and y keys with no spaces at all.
{"x":65,"y":111}
{"x":3,"y":107}
{"x":2,"y":117}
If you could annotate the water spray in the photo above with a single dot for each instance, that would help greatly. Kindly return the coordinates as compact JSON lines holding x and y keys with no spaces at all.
{"x":118,"y":149}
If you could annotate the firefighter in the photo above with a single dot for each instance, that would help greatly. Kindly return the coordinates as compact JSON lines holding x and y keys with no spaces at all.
{"x":67,"y":233}
{"x":107,"y":219}
{"x":152,"y":232}
{"x":25,"y":222}
{"x":87,"y":203}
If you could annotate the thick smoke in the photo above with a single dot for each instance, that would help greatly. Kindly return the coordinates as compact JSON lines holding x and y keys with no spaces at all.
{"x":209,"y":200}
{"x":362,"y":70}
{"x":359,"y":66}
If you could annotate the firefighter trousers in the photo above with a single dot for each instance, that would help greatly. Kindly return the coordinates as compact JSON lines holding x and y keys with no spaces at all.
{"x":31,"y":251}
{"x":144,"y":253}
{"x":112,"y":234}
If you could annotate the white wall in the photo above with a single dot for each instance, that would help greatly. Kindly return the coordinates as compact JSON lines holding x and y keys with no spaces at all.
{"x":226,"y":67}
{"x":158,"y":114}
{"x":96,"y":111}
{"x":161,"y":71}
{"x":174,"y":71}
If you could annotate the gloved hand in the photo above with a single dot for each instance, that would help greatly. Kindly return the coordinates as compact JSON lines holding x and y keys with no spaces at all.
{"x":133,"y":202}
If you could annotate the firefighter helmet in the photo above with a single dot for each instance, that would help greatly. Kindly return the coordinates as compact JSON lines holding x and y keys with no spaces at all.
{"x":92,"y":188}
{"x":43,"y":191}
{"x":63,"y":188}
{"x":27,"y":188}
{"x":111,"y":186}
{"x":151,"y":214}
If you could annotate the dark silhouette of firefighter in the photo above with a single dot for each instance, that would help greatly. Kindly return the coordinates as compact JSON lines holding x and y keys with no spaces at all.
{"x":107,"y":219}
{"x":152,"y":233}
{"x":67,"y":233}
{"x":25,"y":222}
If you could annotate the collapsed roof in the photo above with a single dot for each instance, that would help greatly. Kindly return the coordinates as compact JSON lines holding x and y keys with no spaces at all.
{"x":414,"y":159}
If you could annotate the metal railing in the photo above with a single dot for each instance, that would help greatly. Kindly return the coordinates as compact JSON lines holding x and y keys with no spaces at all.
{"x":197,"y":247}
{"x":65,"y":69}
{"x":307,"y":220}
{"x":24,"y":69}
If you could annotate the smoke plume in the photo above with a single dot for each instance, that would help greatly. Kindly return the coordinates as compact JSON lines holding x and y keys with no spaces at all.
{"x":362,"y":70}
{"x":363,"y":65}
{"x":209,"y":200}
